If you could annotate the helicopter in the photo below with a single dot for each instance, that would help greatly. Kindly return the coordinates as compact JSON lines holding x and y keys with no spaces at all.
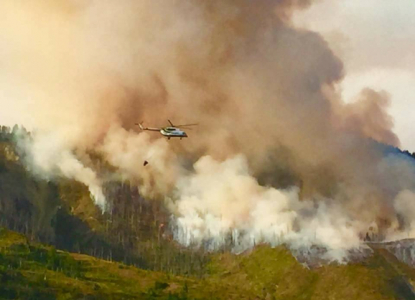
{"x":170,"y":131}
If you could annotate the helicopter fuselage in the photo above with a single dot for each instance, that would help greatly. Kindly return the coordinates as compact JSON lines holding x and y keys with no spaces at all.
{"x":173,"y":132}
{"x":170,"y":131}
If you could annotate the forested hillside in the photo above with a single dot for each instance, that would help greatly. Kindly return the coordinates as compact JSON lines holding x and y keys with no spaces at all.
{"x":61,"y":212}
{"x":34,"y":271}
{"x":133,"y":232}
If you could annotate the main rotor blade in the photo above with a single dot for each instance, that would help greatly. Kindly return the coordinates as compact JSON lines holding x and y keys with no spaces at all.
{"x":171,"y":123}
{"x":184,"y":125}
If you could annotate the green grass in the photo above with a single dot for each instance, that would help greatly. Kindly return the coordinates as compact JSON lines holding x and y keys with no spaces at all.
{"x":35,"y":271}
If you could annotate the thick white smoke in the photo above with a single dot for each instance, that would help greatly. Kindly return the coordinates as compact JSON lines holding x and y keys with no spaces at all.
{"x":49,"y":157}
{"x":127,"y":151}
{"x":222,"y":199}
{"x":278,"y":156}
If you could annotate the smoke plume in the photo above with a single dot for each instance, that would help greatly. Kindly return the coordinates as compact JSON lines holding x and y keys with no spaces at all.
{"x":278,"y":156}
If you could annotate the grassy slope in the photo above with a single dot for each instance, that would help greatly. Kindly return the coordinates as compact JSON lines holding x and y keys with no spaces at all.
{"x":33,"y":271}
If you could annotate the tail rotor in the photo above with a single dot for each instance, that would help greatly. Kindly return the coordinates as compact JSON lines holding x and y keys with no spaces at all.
{"x":140,"y":125}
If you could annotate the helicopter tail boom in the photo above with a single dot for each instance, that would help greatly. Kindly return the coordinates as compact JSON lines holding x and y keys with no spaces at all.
{"x":147,"y":128}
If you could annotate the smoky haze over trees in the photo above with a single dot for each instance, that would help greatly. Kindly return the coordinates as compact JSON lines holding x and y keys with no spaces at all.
{"x":278,"y":157}
{"x":132,"y":229}
{"x":62,"y":213}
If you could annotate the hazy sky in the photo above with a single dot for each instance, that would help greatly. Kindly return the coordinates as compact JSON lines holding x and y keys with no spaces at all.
{"x":374,"y":38}
{"x":376,"y":41}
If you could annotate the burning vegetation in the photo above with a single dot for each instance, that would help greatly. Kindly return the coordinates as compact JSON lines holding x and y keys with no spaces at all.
{"x":279,"y":156}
